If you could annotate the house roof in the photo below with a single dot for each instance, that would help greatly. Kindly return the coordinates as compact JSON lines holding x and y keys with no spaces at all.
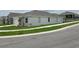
{"x":68,"y":12}
{"x":39,"y":13}
{"x":32,"y":13}
{"x":11,"y":14}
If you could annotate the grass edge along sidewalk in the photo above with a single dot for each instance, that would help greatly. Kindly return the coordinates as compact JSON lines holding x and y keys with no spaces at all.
{"x":17,"y":28}
{"x":35,"y":30}
{"x":36,"y":27}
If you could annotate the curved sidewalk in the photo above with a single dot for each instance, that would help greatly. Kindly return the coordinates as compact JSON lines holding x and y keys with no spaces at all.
{"x":36,"y":27}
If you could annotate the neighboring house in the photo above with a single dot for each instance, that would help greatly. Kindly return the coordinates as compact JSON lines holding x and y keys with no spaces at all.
{"x":36,"y":18}
{"x":70,"y":16}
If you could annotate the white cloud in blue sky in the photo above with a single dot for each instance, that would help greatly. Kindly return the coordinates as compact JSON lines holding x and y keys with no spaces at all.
{"x":6,"y":12}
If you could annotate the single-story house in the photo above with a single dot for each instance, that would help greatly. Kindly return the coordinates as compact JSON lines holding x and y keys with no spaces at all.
{"x":70,"y":16}
{"x":36,"y":18}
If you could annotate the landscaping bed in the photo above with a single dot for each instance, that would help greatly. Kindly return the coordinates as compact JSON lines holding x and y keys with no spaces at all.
{"x":35,"y":30}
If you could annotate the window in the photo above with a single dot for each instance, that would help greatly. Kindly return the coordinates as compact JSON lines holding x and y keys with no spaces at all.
{"x":48,"y":19}
{"x":26,"y":20}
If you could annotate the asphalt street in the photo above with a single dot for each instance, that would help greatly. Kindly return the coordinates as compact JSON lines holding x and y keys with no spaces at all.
{"x":68,"y":38}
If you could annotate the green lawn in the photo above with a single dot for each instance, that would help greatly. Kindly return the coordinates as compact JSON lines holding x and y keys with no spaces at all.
{"x":35,"y":30}
{"x":23,"y":27}
{"x":20,"y":27}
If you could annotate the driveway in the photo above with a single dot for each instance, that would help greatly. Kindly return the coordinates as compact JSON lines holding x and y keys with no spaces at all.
{"x":68,"y":38}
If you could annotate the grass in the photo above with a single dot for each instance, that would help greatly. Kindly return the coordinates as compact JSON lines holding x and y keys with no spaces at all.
{"x":35,"y":30}
{"x":21,"y":27}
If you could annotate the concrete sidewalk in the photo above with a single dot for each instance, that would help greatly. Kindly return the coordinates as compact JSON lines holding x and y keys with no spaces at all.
{"x":37,"y":27}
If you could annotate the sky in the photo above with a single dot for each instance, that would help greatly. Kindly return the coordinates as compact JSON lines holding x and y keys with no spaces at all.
{"x":6,"y":12}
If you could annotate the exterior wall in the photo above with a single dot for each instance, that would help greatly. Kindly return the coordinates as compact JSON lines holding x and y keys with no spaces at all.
{"x":60,"y":19}
{"x":16,"y":21}
{"x":36,"y":21}
{"x":53,"y":19}
{"x":33,"y":21}
{"x":44,"y":20}
{"x":56,"y":19}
